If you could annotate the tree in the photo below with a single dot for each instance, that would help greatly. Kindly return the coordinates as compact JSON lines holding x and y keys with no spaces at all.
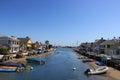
{"x":47,"y":44}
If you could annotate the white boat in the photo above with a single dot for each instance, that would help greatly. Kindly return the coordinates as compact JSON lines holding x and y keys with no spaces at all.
{"x":88,"y":60}
{"x":100,"y":70}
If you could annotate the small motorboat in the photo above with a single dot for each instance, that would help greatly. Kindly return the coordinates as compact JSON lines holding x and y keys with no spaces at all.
{"x":100,"y":63}
{"x":88,"y":60}
{"x":82,"y":57}
{"x":8,"y":70}
{"x":100,"y":70}
{"x":35,"y":60}
{"x":10,"y":66}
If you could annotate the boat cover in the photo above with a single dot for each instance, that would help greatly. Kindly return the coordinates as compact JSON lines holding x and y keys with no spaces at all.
{"x":11,"y":64}
{"x":100,"y":63}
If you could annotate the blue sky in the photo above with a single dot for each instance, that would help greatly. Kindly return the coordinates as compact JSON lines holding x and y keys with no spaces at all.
{"x":62,"y":22}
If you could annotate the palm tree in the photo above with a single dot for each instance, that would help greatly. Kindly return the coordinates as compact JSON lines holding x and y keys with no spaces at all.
{"x":47,"y":44}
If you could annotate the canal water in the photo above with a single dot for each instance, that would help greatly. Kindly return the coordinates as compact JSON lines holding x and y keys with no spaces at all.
{"x":58,"y":66}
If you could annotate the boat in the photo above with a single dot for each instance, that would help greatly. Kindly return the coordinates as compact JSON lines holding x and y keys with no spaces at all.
{"x":11,"y":64}
{"x":82,"y":57}
{"x":100,"y":63}
{"x":95,"y":71}
{"x":88,"y":60}
{"x":35,"y":60}
{"x":7,"y":70}
{"x":10,"y":67}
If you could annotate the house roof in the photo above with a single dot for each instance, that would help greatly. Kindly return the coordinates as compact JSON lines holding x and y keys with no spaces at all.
{"x":108,"y":42}
{"x":13,"y":38}
{"x":3,"y":36}
{"x":24,"y":40}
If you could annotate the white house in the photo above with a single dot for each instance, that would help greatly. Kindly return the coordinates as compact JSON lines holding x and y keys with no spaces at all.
{"x":11,"y":42}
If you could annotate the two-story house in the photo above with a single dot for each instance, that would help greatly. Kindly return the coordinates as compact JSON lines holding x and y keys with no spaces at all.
{"x":25,"y":43}
{"x":96,"y":45}
{"x":11,"y":42}
{"x":105,"y":46}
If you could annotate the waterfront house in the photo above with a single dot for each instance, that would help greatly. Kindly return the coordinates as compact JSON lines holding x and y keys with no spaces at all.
{"x":25,"y":44}
{"x":105,"y":46}
{"x":96,"y":45}
{"x":35,"y":45}
{"x":86,"y":46}
{"x":115,"y":49}
{"x":12,"y":43}
{"x":82,"y":48}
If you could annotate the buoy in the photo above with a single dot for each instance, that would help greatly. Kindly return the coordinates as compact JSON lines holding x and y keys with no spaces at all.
{"x":31,"y":68}
{"x":74,"y":69}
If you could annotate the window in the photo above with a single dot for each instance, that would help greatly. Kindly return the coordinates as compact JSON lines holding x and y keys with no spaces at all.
{"x":103,"y":46}
{"x":117,"y":52}
{"x":108,"y":46}
{"x":9,"y":41}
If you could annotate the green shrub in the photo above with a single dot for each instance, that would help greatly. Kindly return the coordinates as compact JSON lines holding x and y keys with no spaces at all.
{"x":3,"y":51}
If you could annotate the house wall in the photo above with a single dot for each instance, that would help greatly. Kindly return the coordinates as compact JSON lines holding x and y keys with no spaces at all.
{"x":3,"y":41}
{"x":115,"y":53}
{"x":29,"y":43}
{"x":106,"y":48}
{"x":14,"y":44}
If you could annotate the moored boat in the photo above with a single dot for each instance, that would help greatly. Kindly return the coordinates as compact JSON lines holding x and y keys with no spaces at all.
{"x":7,"y":70}
{"x":88,"y":60}
{"x":35,"y":60}
{"x":10,"y":66}
{"x":100,"y":70}
{"x":100,"y":63}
